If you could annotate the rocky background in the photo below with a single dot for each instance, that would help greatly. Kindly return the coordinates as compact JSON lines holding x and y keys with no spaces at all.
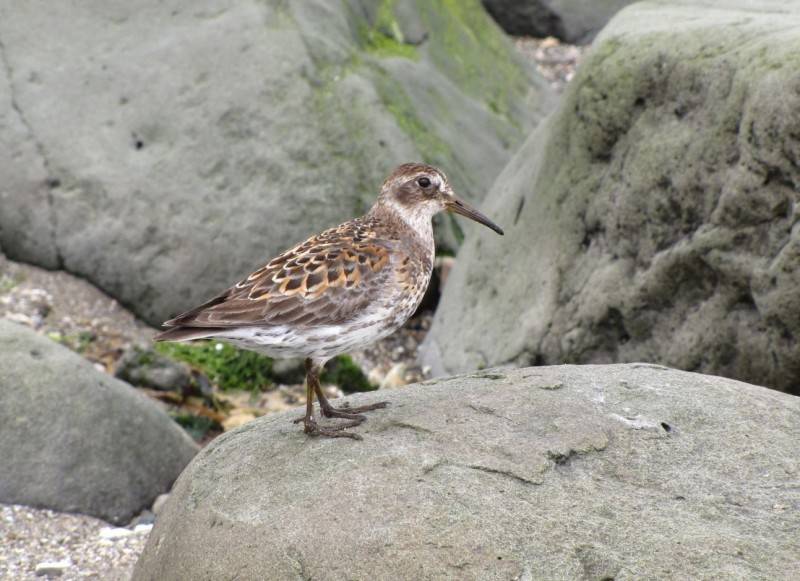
{"x":161,"y":188}
{"x":654,"y":215}
{"x":152,"y":153}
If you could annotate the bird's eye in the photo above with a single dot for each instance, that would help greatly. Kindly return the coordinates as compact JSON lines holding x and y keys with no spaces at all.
{"x":424,"y":182}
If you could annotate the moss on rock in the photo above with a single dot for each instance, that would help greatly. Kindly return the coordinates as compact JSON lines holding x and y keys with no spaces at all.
{"x":384,"y":37}
{"x":473,"y":52}
{"x":345,"y":373}
{"x":225,"y":365}
{"x":397,"y":102}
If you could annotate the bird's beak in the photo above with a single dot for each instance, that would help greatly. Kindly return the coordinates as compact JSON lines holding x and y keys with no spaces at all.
{"x":459,"y":207}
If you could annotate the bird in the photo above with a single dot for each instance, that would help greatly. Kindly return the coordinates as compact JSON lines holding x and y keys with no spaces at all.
{"x":339,"y":290}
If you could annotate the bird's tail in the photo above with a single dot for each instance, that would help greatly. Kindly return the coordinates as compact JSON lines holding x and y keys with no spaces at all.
{"x":187,"y":333}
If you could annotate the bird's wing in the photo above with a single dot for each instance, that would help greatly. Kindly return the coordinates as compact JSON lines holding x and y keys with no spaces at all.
{"x":328,"y":279}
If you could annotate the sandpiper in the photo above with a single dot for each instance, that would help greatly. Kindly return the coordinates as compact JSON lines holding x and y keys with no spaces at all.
{"x":337,"y":291}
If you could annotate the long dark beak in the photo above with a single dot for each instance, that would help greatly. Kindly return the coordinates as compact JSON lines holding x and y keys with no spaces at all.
{"x":459,"y":207}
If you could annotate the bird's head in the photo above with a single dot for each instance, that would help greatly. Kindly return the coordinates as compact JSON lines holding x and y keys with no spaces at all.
{"x":418,"y":191}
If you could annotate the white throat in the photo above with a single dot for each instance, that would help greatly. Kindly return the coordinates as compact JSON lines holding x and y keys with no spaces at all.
{"x":419,"y":221}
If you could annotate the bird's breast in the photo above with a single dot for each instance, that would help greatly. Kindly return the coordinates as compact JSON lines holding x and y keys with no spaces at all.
{"x":412,"y":275}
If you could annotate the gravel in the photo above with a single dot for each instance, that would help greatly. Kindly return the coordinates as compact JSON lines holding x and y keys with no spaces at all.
{"x":554,"y":60}
{"x":42,"y":544}
{"x":69,"y":310}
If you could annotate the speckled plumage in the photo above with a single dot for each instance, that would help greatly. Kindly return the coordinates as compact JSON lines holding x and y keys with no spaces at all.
{"x":338,"y":290}
{"x":366,"y":275}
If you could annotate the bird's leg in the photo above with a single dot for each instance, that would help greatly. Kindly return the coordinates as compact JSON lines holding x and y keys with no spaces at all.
{"x":346,"y":412}
{"x":310,"y":425}
{"x":329,"y":411}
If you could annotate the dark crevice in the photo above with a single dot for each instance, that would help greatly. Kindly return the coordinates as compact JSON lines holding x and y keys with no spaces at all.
{"x":591,"y":230}
{"x":526,"y":19}
{"x":776,"y":175}
{"x":613,"y":328}
{"x":559,"y":458}
{"x":422,"y":40}
{"x":520,"y":206}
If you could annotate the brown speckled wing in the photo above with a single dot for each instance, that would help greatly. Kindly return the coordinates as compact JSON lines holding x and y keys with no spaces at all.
{"x":326,"y":280}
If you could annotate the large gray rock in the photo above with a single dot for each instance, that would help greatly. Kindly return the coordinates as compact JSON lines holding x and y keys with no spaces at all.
{"x":576,"y":21}
{"x":597,"y":472}
{"x":162,"y":150}
{"x":76,"y":440}
{"x":655,"y":215}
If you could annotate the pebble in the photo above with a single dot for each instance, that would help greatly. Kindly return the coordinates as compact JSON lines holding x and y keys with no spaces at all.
{"x":554,"y":60}
{"x":236,"y":419}
{"x":395,"y":378}
{"x":52,"y":568}
{"x":112,"y":533}
{"x":376,"y":376}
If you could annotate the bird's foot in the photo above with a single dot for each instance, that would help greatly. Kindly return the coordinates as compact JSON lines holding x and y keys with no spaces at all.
{"x":331,"y":412}
{"x":349,"y":412}
{"x":312,"y":428}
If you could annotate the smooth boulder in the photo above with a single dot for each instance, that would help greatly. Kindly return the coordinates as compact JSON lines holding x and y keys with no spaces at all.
{"x":165,"y":150}
{"x":571,"y":472}
{"x":74,"y":439}
{"x":654,"y":215}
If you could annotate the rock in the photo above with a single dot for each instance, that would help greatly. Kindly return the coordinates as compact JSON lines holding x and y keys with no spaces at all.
{"x":163,"y":151}
{"x":288,"y":371}
{"x":236,"y":419}
{"x":159,"y":503}
{"x":143,"y":367}
{"x":52,"y":568}
{"x":144,"y":518}
{"x":575,"y":21}
{"x":114,"y":533}
{"x":444,"y":265}
{"x":395,"y":377}
{"x":76,"y":440}
{"x":654,"y":216}
{"x":562,"y":472}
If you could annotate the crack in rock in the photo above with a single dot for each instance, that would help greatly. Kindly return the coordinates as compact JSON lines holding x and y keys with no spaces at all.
{"x":490,"y":411}
{"x":39,"y":146}
{"x":298,"y":564}
{"x":484,"y":469}
{"x":506,"y":473}
{"x":639,"y":422}
{"x":406,"y":426}
{"x":487,"y":375}
{"x":562,"y":459}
